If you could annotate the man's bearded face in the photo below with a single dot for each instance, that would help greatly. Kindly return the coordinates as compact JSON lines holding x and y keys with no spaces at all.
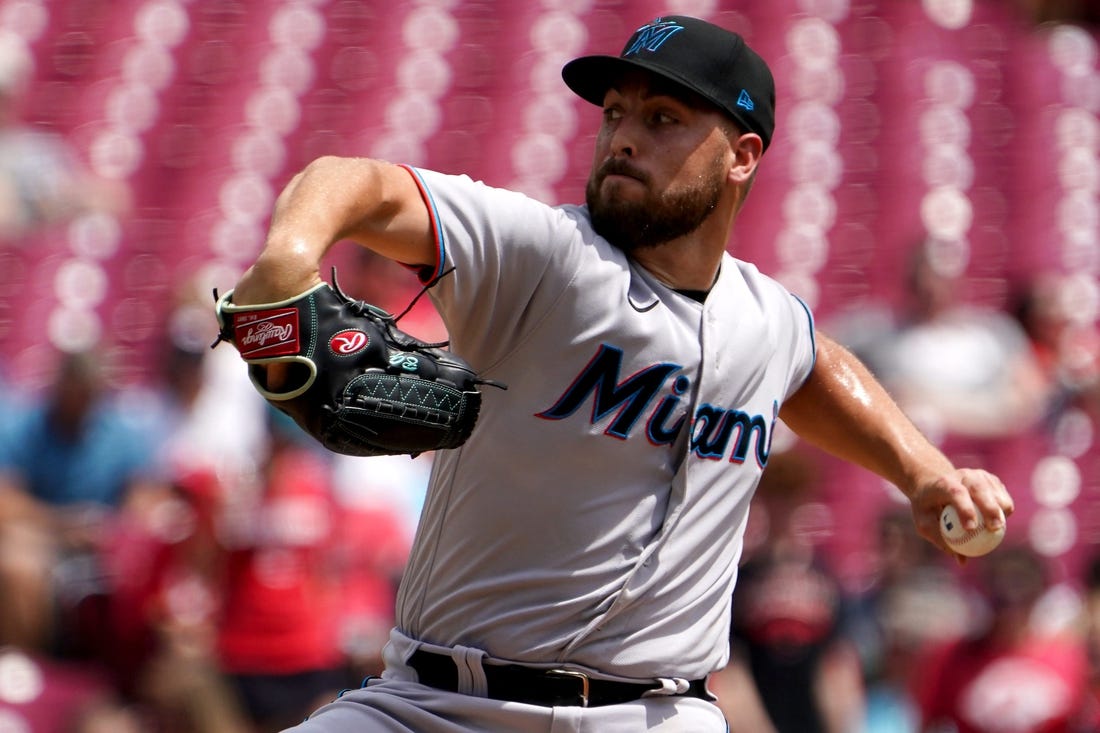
{"x":657,"y":217}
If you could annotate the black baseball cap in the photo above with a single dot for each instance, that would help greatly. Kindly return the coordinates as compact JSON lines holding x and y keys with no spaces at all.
{"x":709,"y":60}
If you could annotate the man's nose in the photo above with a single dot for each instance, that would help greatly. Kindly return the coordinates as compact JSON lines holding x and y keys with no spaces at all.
{"x":624,"y":138}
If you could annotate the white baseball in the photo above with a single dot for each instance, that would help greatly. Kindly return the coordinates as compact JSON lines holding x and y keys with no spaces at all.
{"x":976,"y":542}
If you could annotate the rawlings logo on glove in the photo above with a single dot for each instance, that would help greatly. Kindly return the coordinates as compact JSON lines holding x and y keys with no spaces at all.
{"x":356,"y":382}
{"x":268,"y":334}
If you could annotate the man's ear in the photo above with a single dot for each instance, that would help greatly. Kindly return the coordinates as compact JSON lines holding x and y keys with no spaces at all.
{"x":747,"y":149}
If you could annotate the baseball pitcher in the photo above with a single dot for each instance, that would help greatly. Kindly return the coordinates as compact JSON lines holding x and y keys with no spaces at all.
{"x":578,"y":549}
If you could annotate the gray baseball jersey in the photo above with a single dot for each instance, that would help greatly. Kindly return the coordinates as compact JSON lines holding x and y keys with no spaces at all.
{"x":596,"y":515}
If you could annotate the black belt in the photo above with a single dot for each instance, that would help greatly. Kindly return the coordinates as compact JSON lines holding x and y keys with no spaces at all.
{"x":549,"y":687}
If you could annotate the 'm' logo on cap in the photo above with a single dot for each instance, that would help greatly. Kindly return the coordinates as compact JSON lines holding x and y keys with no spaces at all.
{"x":744,"y":100}
{"x":650,"y":37}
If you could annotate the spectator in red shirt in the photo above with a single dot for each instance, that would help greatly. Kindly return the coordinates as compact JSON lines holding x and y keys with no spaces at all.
{"x":278,"y":629}
{"x":1010,"y":676}
{"x":252,"y":610}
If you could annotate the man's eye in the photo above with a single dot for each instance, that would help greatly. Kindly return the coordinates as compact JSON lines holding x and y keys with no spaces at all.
{"x":612,"y":113}
{"x":663,"y":118}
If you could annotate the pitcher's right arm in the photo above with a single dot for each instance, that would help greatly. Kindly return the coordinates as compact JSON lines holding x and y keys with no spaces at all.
{"x":372,"y":203}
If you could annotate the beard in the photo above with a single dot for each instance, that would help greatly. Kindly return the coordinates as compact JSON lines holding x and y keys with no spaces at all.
{"x":658,"y":217}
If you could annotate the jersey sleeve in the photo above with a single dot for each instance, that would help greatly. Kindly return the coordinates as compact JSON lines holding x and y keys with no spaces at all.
{"x":791,"y":325}
{"x":804,"y":344}
{"x":502,"y":259}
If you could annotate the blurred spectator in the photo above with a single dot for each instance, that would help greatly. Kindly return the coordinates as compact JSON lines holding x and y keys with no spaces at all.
{"x":42,"y":180}
{"x":1012,"y":674}
{"x":890,"y":621}
{"x":788,"y":652}
{"x":266,"y":552}
{"x":1066,"y":347}
{"x":73,"y":466}
{"x":213,"y":419}
{"x":957,"y":368}
{"x":276,"y":588}
{"x":1088,"y":719}
{"x":380,"y":500}
{"x":211,"y":431}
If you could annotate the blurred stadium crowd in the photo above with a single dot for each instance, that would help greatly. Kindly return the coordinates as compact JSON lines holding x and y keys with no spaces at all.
{"x":175,"y":558}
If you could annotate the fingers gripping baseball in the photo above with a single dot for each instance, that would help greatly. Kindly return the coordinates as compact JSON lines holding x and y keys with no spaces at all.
{"x":976,"y":495}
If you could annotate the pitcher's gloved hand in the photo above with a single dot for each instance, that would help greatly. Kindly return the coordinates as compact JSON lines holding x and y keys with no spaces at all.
{"x":354,"y":380}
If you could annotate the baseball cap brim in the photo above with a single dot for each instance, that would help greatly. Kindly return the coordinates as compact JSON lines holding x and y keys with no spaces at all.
{"x":590,"y":77}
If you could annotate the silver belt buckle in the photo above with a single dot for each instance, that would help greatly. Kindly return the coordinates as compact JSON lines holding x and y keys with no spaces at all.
{"x":576,"y":675}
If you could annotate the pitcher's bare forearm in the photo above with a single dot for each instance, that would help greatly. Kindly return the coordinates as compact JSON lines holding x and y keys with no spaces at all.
{"x":372,"y":203}
{"x":844,"y":410}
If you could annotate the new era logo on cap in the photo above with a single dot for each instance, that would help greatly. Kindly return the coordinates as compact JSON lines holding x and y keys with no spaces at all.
{"x":704,"y":58}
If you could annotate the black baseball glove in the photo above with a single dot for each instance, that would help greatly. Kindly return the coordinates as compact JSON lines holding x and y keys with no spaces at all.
{"x":356,"y":382}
